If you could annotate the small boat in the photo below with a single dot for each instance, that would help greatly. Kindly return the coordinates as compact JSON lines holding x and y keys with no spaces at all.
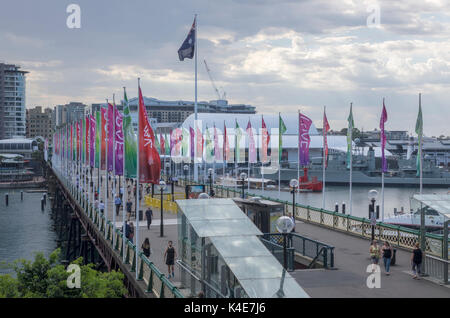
{"x":313,"y":185}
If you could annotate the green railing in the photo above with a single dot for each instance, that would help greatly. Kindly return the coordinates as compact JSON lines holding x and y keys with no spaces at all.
{"x":156,"y":282}
{"x":396,"y":235}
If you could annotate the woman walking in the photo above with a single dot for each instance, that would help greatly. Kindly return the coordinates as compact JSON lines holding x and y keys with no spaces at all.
{"x":374,"y":254}
{"x":416,"y":260}
{"x":170,"y":255}
{"x":146,"y":247}
{"x":387,"y":256}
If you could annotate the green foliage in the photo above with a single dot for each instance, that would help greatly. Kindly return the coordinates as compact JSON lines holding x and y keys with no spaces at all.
{"x":46,"y":278}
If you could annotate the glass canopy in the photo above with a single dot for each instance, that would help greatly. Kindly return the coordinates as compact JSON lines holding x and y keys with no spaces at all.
{"x":439,"y":202}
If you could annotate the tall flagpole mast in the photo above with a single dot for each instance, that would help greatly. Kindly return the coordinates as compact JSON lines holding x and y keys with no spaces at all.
{"x":420,"y":145}
{"x":382,"y":171}
{"x":324,"y":158}
{"x":235,"y":154}
{"x":261,"y":157}
{"x":351,"y":161}
{"x":106,"y":170}
{"x":114,"y":166}
{"x":137,"y":181}
{"x":298,"y":156}
{"x":279,"y":157}
{"x":124,"y":181}
{"x":195,"y":104}
{"x":248,"y":168}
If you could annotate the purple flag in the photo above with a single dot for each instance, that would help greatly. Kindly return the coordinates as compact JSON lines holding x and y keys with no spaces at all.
{"x":119,"y":144}
{"x":304,"y":139}
{"x":192,"y":133}
{"x":383,"y":119}
{"x":110,"y":134}
{"x":92,"y":143}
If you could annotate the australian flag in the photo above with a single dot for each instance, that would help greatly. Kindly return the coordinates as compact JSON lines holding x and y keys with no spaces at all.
{"x":187,"y":48}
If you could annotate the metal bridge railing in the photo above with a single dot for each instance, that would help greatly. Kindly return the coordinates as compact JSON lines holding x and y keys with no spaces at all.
{"x":396,"y":235}
{"x":277,"y":251}
{"x":156,"y":282}
{"x":437,"y":268}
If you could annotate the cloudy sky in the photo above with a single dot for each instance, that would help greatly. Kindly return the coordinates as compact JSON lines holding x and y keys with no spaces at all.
{"x":279,"y":56}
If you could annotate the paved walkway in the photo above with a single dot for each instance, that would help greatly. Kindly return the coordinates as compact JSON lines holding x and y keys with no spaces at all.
{"x":351,"y":261}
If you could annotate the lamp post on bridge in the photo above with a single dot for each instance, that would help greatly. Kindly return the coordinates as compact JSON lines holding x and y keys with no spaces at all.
{"x":161,"y":188}
{"x":373,"y":195}
{"x":211,"y":191}
{"x":243,"y":176}
{"x":185,"y":168}
{"x":294,"y":185}
{"x":284,"y":225}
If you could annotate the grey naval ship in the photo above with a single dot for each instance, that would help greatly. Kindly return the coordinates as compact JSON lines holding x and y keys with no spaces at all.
{"x":366,"y":171}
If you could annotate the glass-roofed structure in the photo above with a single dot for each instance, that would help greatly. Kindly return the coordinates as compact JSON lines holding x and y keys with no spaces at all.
{"x":222,"y":256}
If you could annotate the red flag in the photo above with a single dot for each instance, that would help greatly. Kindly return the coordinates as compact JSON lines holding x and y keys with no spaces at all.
{"x":326,"y":128}
{"x":149,"y":160}
{"x":226,"y":146}
{"x":265,"y":141}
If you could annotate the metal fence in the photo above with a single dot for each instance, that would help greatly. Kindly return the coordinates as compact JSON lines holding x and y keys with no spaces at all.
{"x":437,"y":268}
{"x":396,"y":235}
{"x":156,"y":282}
{"x":276,"y":248}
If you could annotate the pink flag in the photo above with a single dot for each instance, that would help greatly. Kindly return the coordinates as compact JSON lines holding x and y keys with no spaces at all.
{"x":251,"y":144}
{"x":265,"y":138}
{"x":119,"y":143}
{"x":383,"y":119}
{"x":304,"y":139}
{"x":92,"y":142}
{"x":326,"y":128}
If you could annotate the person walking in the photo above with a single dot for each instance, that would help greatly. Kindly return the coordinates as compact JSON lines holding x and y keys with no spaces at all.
{"x":126,"y":230}
{"x":131,"y":234}
{"x":374,"y":254}
{"x":169,"y":255}
{"x":101,"y":206}
{"x":416,"y":260}
{"x":146,"y":247}
{"x":117,"y":202}
{"x":129,"y":206}
{"x":149,"y":216}
{"x":140,"y":192}
{"x":387,"y":256}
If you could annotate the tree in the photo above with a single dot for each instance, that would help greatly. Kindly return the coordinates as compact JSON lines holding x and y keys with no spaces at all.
{"x":47,"y":278}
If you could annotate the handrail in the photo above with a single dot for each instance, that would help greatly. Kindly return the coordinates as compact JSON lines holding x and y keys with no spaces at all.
{"x":322,"y":249}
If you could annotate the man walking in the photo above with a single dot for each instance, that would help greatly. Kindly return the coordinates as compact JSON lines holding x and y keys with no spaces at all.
{"x":117,"y":202}
{"x":149,"y":216}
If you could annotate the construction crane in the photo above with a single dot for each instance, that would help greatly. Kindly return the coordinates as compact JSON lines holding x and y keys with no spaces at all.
{"x":212,"y":82}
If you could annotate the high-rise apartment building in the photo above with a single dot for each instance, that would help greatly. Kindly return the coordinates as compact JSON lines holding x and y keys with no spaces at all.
{"x":12,"y":101}
{"x":69,"y":113}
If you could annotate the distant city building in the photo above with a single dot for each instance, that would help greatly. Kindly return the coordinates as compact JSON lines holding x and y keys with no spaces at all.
{"x":178,"y":111}
{"x":18,"y":146}
{"x":12,"y":101}
{"x":39,"y":123}
{"x":68,"y":113}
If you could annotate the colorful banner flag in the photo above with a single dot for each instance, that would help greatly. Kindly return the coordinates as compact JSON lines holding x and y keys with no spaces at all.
{"x":98,"y":138}
{"x":162,"y":144}
{"x":419,"y":131}
{"x":265,"y":139}
{"x":149,"y":160}
{"x":92,"y":140}
{"x":78,"y":141}
{"x":351,"y":124}
{"x":118,"y":140}
{"x":217,"y":155}
{"x":326,"y":128}
{"x":199,"y":143}
{"x":130,"y":142}
{"x":192,"y":144}
{"x":184,"y":142}
{"x":110,"y":138}
{"x":282,"y":130}
{"x":209,"y":148}
{"x":240,"y":153}
{"x":304,"y":139}
{"x":104,"y":136}
{"x":226,"y":146}
{"x":383,"y":120}
{"x":251,"y":143}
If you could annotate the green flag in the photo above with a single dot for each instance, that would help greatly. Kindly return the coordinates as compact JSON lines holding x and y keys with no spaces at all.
{"x":130,"y":141}
{"x":282,"y":130}
{"x":167,"y":145}
{"x":351,"y":124}
{"x":98,"y":131}
{"x":158,"y":146}
{"x":185,"y":142}
{"x":209,"y":147}
{"x":419,"y":131}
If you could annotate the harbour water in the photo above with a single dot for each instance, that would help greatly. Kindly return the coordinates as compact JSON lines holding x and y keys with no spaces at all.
{"x":24,"y":228}
{"x":393,"y":198}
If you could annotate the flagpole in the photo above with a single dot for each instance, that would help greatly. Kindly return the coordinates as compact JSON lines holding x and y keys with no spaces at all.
{"x":124,"y":183}
{"x":137,"y":183}
{"x":382,"y":163}
{"x":195,"y":104}
{"x":106,"y":170}
{"x":279,"y":157}
{"x":235,"y":155}
{"x":114,"y":165}
{"x":298,"y":157}
{"x":262,"y":159}
{"x":351,"y":161}
{"x":324,"y":158}
{"x":420,"y":145}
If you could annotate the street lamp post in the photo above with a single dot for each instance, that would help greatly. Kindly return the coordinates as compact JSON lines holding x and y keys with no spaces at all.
{"x":284,"y":225}
{"x":162,"y":187}
{"x":167,"y":168}
{"x":243,"y":176}
{"x":185,"y":168}
{"x":210,"y":172}
{"x":373,"y":194}
{"x":294,"y":184}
